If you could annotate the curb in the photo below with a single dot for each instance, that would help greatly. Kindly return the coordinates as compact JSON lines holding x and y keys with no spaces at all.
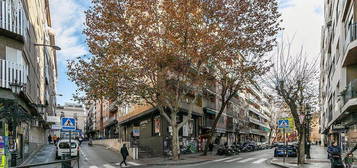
{"x":279,"y":165}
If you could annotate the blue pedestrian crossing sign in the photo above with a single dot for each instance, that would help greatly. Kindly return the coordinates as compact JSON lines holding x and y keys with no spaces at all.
{"x":283,"y":124}
{"x":68,"y":124}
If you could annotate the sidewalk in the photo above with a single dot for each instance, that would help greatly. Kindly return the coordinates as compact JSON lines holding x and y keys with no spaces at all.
{"x":185,"y":159}
{"x":318,"y":159}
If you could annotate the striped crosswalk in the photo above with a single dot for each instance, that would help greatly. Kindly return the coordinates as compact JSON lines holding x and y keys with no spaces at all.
{"x":252,"y":160}
{"x":116,"y":165}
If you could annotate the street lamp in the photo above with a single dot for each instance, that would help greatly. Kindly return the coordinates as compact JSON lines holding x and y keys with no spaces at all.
{"x":47,"y":45}
{"x":16,"y":87}
{"x":307,"y":137}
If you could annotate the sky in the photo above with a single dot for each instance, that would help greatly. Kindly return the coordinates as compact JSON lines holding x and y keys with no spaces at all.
{"x":302,"y":21}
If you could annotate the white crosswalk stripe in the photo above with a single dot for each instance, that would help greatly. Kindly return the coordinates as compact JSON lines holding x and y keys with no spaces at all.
{"x":232,"y":160}
{"x":218,"y":160}
{"x":134,"y":164}
{"x":246,"y":160}
{"x":108,"y":166}
{"x":93,"y":167}
{"x":260,"y":161}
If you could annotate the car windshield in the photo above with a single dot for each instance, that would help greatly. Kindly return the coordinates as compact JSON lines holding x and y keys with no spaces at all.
{"x":65,"y":145}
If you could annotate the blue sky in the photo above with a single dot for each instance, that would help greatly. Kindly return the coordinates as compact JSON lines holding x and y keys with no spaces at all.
{"x":302,"y":20}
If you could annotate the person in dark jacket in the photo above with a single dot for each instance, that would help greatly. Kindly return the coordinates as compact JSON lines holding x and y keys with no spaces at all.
{"x":334,"y":154}
{"x":49,"y":138}
{"x":124,"y":152}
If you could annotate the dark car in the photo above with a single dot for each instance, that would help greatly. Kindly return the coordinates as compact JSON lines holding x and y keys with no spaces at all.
{"x":292,"y":151}
{"x":282,"y":150}
{"x":279,"y":151}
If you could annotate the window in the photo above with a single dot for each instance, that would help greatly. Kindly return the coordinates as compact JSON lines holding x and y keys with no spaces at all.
{"x":15,"y":55}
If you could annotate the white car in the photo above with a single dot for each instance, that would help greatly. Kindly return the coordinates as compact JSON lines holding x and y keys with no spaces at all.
{"x":63,"y":148}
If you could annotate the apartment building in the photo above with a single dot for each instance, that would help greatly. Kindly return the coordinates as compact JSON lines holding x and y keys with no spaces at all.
{"x":28,"y":73}
{"x":73,"y":110}
{"x":338,"y":76}
{"x":245,"y":119}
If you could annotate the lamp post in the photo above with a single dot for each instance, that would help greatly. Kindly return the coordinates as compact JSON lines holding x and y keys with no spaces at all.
{"x":16,"y":88}
{"x":307,"y":137}
{"x":47,"y":45}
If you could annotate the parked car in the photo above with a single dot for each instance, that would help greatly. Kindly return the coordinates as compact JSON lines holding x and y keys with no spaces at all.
{"x":63,"y":147}
{"x":292,"y":151}
{"x":283,"y":150}
{"x":279,"y":151}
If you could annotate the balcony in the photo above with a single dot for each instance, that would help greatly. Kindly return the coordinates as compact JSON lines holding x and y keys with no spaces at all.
{"x":12,"y":17}
{"x":258,"y":132}
{"x":258,"y":122}
{"x":256,"y":111}
{"x":208,"y":123}
{"x":351,"y":46}
{"x":11,"y":72}
{"x":349,"y":96}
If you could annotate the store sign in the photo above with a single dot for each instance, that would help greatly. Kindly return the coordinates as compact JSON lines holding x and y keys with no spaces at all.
{"x":56,"y":127}
{"x":2,"y":145}
{"x":338,"y":127}
{"x":53,"y":119}
{"x":136,"y":131}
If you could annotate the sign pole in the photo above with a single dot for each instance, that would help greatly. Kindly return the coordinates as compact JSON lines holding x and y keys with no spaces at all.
{"x":285,"y":143}
{"x":70,"y":144}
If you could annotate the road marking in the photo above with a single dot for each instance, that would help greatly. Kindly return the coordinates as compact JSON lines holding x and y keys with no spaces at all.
{"x":232,"y":160}
{"x":133,"y":163}
{"x":85,"y":156}
{"x":93,"y":167}
{"x":218,"y":160}
{"x":260,"y":161}
{"x":246,"y":160}
{"x":108,"y":166}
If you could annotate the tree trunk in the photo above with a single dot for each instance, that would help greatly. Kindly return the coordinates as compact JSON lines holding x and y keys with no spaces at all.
{"x":209,"y":140}
{"x":269,"y":140}
{"x":175,"y":143}
{"x":301,"y":148}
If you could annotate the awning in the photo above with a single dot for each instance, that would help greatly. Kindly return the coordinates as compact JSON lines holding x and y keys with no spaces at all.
{"x":209,"y":111}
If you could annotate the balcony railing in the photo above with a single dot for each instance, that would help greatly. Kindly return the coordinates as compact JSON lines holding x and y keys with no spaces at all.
{"x":12,"y":16}
{"x":208,"y":123}
{"x":11,"y":72}
{"x":257,"y":122}
{"x":352,"y":33}
{"x":351,"y":91}
{"x":258,"y":132}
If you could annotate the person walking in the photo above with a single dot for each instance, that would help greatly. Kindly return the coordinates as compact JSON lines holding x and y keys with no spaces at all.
{"x":349,"y":160}
{"x":334,"y":154}
{"x":49,"y":138}
{"x":124,"y":152}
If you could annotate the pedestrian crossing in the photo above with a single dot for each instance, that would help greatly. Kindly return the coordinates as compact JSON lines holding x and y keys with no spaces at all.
{"x":252,"y":160}
{"x":115,"y":165}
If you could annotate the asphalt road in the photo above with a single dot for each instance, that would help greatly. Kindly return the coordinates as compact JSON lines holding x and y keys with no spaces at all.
{"x":100,"y":157}
{"x":258,"y":159}
{"x":90,"y":157}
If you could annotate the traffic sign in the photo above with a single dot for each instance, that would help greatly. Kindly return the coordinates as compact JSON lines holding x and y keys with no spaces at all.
{"x":68,"y":124}
{"x":283,"y":124}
